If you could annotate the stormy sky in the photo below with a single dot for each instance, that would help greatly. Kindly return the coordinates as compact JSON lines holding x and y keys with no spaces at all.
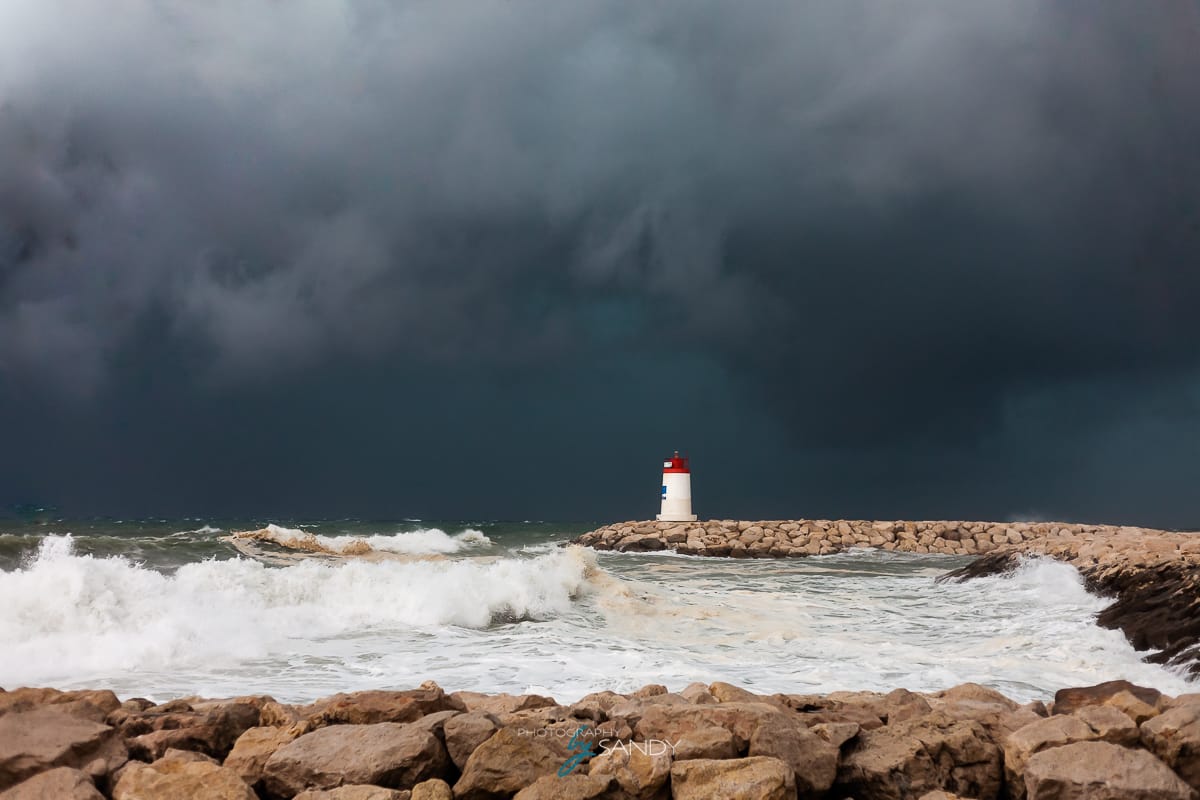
{"x":929,"y":258}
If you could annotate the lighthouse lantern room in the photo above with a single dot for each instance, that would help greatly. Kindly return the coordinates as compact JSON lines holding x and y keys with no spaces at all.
{"x":677,"y":490}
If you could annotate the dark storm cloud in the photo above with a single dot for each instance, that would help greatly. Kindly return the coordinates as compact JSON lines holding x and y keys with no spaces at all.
{"x":909,"y":233}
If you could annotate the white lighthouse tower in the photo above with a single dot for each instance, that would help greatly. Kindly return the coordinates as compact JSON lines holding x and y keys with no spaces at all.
{"x":677,"y":491}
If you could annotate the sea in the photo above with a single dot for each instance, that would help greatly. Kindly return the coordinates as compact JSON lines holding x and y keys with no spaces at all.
{"x":307,"y":608}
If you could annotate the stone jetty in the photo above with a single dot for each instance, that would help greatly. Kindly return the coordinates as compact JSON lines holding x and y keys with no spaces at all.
{"x":716,"y":741}
{"x":1153,"y":575}
{"x":811,"y":537}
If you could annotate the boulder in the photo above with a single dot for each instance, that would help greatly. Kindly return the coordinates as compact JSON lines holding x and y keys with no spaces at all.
{"x":1068,"y":701}
{"x":1101,"y":771}
{"x":180,"y":779}
{"x":188,"y":756}
{"x":363,"y":708}
{"x":753,"y":778}
{"x":596,"y":705}
{"x":813,"y":760}
{"x":95,"y":705}
{"x":572,"y":787}
{"x":355,"y":792}
{"x":836,"y":733}
{"x":1188,"y":699}
{"x":44,"y":738}
{"x":432,"y":789}
{"x":60,"y":783}
{"x":388,"y":754}
{"x":435,"y":723}
{"x":466,"y":732}
{"x":1174,"y":736}
{"x":697,"y":693}
{"x":974,"y":693}
{"x":1044,"y":734}
{"x":502,"y":703}
{"x":210,"y":729}
{"x":503,"y":765}
{"x":710,"y":742}
{"x":920,"y":755}
{"x":670,"y":723}
{"x":1110,"y":725}
{"x":940,"y":795}
{"x":640,"y":774}
{"x":728,"y":693}
{"x":901,"y":704}
{"x":554,"y":730}
{"x":250,"y":752}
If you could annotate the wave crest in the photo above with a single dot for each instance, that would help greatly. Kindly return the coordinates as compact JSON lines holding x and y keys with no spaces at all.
{"x":71,"y":616}
{"x":430,"y":541}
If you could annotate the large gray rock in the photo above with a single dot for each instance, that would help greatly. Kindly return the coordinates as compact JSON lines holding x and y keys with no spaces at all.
{"x":1101,"y":771}
{"x":44,"y":738}
{"x":753,"y":778}
{"x":1174,"y":737}
{"x":388,"y":754}
{"x":60,"y":783}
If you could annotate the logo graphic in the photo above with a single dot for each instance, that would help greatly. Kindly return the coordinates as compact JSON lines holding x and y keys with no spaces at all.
{"x":585,"y":749}
{"x":583,"y":745}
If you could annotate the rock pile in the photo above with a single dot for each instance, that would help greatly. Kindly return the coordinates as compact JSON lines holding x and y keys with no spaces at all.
{"x":808,"y":537}
{"x":1153,"y":575}
{"x":1114,"y":740}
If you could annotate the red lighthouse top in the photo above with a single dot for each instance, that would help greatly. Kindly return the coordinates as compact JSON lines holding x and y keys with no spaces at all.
{"x":676,"y":463}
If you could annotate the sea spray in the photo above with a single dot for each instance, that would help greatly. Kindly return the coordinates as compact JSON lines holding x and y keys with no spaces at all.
{"x":69,"y":616}
{"x":430,"y":541}
{"x":519,"y":613}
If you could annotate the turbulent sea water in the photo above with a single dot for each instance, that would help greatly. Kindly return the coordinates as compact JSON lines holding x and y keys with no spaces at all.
{"x":165,"y":609}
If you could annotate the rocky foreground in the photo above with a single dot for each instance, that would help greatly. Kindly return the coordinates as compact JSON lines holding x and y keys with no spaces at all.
{"x":1153,"y":575}
{"x":1115,"y":741}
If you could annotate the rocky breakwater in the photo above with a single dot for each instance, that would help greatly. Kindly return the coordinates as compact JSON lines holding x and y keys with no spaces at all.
{"x":811,"y":537}
{"x":1114,"y":740}
{"x":1153,"y":575}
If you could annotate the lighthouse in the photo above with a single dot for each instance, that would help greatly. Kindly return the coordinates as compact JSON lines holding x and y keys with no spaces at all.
{"x":677,"y":491}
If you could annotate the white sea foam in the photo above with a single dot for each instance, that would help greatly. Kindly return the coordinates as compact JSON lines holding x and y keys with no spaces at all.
{"x":563,"y":622}
{"x":430,"y":541}
{"x":69,"y":617}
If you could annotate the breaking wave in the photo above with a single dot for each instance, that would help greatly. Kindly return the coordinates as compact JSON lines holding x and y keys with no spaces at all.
{"x":431,"y":541}
{"x":69,"y":616}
